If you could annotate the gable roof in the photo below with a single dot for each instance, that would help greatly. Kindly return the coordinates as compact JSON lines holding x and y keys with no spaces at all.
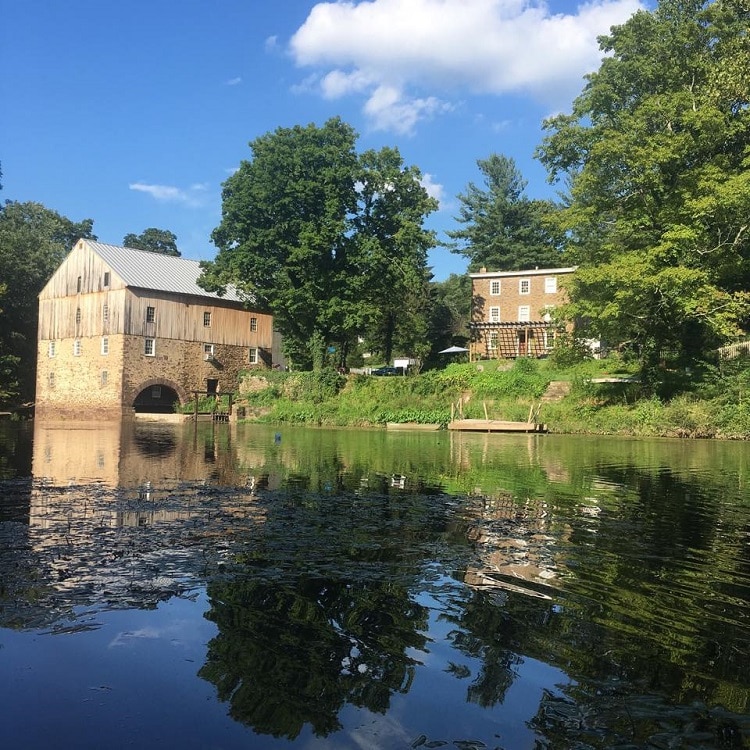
{"x":155,"y":271}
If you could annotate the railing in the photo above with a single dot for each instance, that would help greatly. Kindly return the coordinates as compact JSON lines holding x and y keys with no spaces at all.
{"x":734,"y":350}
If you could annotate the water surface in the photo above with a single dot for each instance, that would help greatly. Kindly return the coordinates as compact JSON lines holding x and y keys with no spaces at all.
{"x":254,"y":586}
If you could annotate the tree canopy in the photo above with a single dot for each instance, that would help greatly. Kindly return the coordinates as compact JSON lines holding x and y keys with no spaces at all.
{"x":34,"y":240}
{"x":502,"y":229}
{"x":154,"y":240}
{"x":656,"y":153}
{"x":324,"y":238}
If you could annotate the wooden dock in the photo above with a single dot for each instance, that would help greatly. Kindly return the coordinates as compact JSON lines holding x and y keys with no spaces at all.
{"x":495,"y":425}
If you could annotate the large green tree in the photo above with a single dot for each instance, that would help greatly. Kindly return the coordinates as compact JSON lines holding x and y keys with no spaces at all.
{"x":33,"y":242}
{"x":503,"y":230}
{"x":154,"y":240}
{"x":321,"y":237}
{"x":656,"y":153}
{"x":391,"y":251}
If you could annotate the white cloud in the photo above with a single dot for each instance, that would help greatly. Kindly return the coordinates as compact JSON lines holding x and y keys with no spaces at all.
{"x":387,"y":49}
{"x":434,"y":189}
{"x":233,"y":81}
{"x":194,"y":196}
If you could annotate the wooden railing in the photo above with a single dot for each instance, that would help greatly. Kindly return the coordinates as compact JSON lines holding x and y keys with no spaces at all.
{"x":734,"y":350}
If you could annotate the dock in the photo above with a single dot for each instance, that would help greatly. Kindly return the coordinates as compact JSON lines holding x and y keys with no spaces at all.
{"x":495,"y":425}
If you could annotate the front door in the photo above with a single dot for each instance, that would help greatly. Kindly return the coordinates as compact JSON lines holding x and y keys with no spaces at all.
{"x":521,"y":344}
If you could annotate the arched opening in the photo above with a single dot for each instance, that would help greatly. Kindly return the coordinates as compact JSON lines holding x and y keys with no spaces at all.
{"x":156,"y":399}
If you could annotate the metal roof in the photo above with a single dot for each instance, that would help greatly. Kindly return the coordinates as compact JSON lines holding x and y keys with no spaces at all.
{"x":164,"y":273}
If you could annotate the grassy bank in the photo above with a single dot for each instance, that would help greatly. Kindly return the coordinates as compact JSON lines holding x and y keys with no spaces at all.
{"x":712,"y":403}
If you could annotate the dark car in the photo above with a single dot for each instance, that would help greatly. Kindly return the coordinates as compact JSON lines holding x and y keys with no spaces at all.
{"x":387,"y":371}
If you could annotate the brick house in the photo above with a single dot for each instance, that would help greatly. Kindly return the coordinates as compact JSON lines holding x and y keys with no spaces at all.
{"x":124,"y":330}
{"x":511,"y":312}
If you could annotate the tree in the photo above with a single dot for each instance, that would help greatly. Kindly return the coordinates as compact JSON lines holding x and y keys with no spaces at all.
{"x":503,"y":230}
{"x":391,"y":248}
{"x":656,"y":153}
{"x":323,"y":238}
{"x":154,"y":240}
{"x":33,"y":242}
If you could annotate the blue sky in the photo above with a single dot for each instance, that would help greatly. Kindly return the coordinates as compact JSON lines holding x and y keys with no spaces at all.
{"x":134,"y":113}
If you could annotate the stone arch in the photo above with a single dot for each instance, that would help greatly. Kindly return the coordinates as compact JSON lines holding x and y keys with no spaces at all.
{"x":139,"y":399}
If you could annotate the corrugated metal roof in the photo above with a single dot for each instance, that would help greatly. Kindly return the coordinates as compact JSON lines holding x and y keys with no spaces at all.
{"x":164,"y":273}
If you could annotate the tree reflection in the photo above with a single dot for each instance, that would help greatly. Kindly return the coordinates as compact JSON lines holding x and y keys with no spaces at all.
{"x":294,"y":652}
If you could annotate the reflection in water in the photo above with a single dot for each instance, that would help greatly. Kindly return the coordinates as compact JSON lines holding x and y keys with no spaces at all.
{"x":424,"y":576}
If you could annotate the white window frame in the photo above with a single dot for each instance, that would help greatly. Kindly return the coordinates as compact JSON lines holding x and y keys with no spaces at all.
{"x":494,"y":314}
{"x":51,"y":379}
{"x":105,"y":345}
{"x":495,"y":287}
{"x":51,"y":349}
{"x":77,"y":348}
{"x":105,"y":312}
{"x":524,"y":314}
{"x":253,"y":324}
{"x":524,"y":283}
{"x":253,"y":355}
{"x":152,"y":347}
{"x":550,"y":284}
{"x":78,"y":315}
{"x":206,"y":318}
{"x":104,"y":378}
{"x":549,"y":338}
{"x":493,"y":341}
{"x":151,"y":314}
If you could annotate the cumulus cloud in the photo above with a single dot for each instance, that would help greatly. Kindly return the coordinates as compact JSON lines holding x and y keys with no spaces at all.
{"x":194,"y":196}
{"x":402,"y":54}
{"x":434,"y":189}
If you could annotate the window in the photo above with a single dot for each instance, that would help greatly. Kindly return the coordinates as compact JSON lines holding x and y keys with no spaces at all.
{"x":253,"y":324}
{"x":547,"y":315}
{"x":104,"y":379}
{"x":106,"y":278}
{"x":207,"y":318}
{"x":524,"y":313}
{"x":494,"y":315}
{"x":155,"y":391}
{"x":550,"y":284}
{"x":51,"y":379}
{"x":149,"y":347}
{"x":549,"y":338}
{"x":79,"y":284}
{"x":495,"y":287}
{"x":253,"y":357}
{"x":105,"y":345}
{"x":51,"y":349}
{"x":208,"y":351}
{"x":524,"y":286}
{"x":78,"y":315}
{"x":492,"y":343}
{"x":77,"y":348}
{"x":150,"y":314}
{"x":105,"y":313}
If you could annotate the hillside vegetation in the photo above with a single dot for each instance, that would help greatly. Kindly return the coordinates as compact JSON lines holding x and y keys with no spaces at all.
{"x":712,"y":403}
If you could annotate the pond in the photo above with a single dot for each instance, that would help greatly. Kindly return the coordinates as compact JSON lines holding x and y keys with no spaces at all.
{"x":255,"y":586}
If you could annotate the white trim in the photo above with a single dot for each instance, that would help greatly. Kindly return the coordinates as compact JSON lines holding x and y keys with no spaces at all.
{"x":105,"y":346}
{"x":494,"y":282}
{"x":550,"y":284}
{"x":534,"y":272}
{"x":523,"y":281}
{"x":146,"y":351}
{"x":77,"y":348}
{"x":494,"y":316}
{"x":524,"y":314}
{"x":51,"y":349}
{"x":253,"y":355}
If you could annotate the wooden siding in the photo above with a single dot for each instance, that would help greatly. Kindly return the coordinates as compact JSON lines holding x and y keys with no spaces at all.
{"x":181,"y":318}
{"x":81,"y":262}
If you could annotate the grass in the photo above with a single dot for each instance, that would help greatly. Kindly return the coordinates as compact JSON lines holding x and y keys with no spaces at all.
{"x":713,"y":403}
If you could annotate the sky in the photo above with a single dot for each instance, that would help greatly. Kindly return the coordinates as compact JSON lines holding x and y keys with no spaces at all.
{"x":134,"y":113}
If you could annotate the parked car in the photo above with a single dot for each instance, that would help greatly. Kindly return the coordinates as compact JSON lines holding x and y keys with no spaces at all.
{"x":387,"y":371}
